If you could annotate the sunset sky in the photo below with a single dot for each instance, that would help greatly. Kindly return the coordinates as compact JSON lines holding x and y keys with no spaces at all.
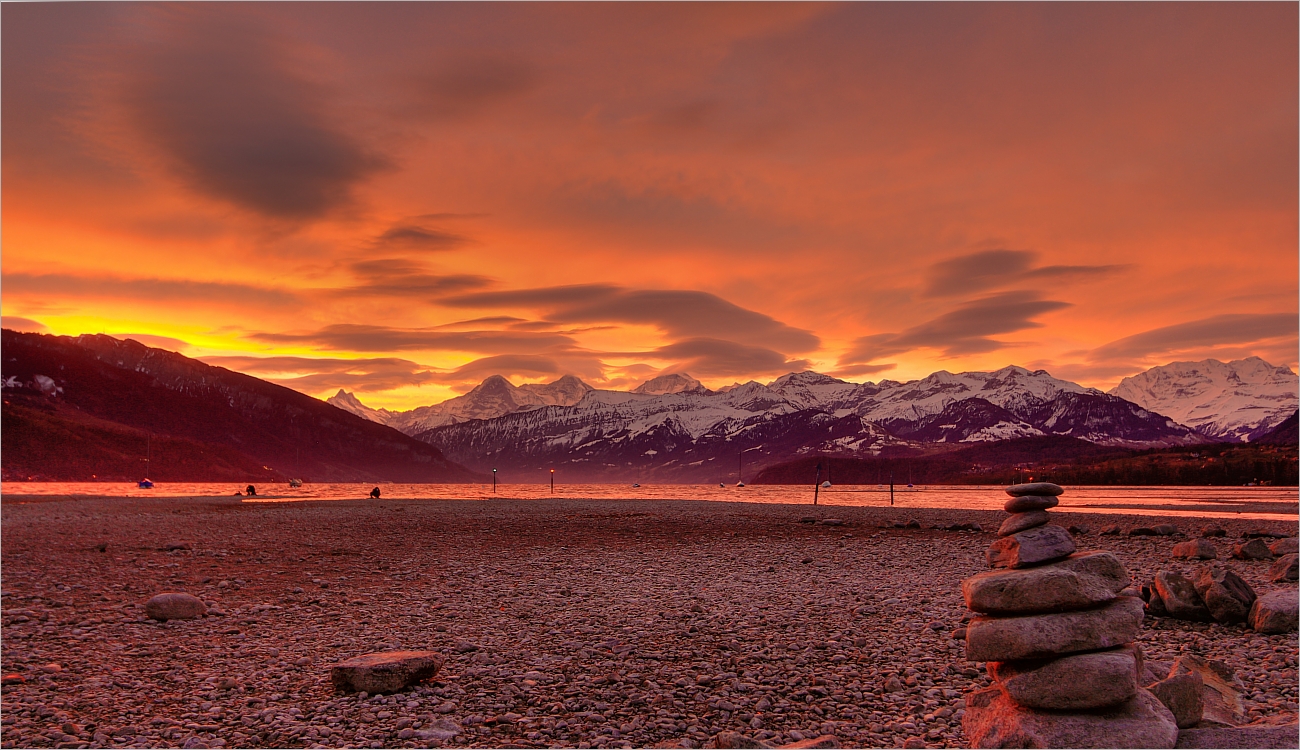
{"x":402,"y":199}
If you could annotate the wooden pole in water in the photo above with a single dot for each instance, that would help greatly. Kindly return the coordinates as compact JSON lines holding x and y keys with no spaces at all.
{"x":891,"y":488}
{"x":817,"y":483}
{"x":552,"y":481}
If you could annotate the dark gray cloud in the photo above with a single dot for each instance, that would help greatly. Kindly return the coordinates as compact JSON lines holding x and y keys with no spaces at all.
{"x":58,"y":285}
{"x":853,"y":371}
{"x":989,"y":269}
{"x":314,"y":375}
{"x":418,"y":238}
{"x":217,"y":97}
{"x":717,"y":357}
{"x":25,"y":325}
{"x":965,"y":330}
{"x":396,"y":277}
{"x":369,"y":338}
{"x":506,"y":364}
{"x":471,"y":86}
{"x":157,"y":342}
{"x":1219,"y":330}
{"x":679,"y":313}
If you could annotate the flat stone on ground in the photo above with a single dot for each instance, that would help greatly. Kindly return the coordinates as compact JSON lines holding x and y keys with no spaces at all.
{"x":175,"y":606}
{"x":1082,"y":681}
{"x":1035,"y":488}
{"x":385,"y":672}
{"x":1258,"y":736}
{"x":1018,"y":522}
{"x":1275,"y":612}
{"x":1221,"y":692}
{"x":1287,"y":546}
{"x":1084,"y":579}
{"x":1202,"y":549}
{"x":1033,"y":547}
{"x":1042,"y":636}
{"x":992,"y":720}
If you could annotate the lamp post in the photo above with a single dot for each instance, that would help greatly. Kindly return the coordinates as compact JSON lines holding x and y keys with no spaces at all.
{"x":552,"y":481}
{"x":494,"y":481}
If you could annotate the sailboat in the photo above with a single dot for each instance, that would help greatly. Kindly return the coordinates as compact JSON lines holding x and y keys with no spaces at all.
{"x":145,"y":484}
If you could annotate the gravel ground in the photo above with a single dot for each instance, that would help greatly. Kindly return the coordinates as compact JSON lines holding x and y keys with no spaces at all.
{"x":565,"y":622}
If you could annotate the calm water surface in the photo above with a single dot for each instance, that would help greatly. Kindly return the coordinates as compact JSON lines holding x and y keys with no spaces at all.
{"x":1276,"y":503}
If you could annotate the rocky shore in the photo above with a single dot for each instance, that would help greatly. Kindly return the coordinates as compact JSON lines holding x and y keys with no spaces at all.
{"x":561,"y":623}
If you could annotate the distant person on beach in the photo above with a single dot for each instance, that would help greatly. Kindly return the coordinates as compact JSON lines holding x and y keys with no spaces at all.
{"x":374,"y":493}
{"x":250,"y":490}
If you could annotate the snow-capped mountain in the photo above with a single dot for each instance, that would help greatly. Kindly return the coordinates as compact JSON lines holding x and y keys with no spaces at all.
{"x":676,"y":430}
{"x":494,"y":397}
{"x":1238,"y":400}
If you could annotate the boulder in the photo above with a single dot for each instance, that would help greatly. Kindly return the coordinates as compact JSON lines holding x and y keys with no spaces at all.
{"x":1255,"y":549}
{"x":1080,"y":530}
{"x":1084,"y":579}
{"x":1181,"y":694}
{"x":1155,"y":605}
{"x":1046,"y":635}
{"x":1196,"y":548}
{"x":1032,"y":547}
{"x":1142,"y":531}
{"x":992,"y":720}
{"x":1284,"y":569}
{"x":1287,"y":546}
{"x":385,"y":672}
{"x":1274,"y":612}
{"x":1035,"y":488}
{"x":1211,"y":531}
{"x":1026,"y":503}
{"x":1226,"y":596}
{"x":1221,"y":691}
{"x":175,"y":606}
{"x":1165,"y":529}
{"x":1082,"y":681}
{"x":1253,"y":736}
{"x":1180,"y":598}
{"x":1018,"y":522}
{"x":1111,"y":530}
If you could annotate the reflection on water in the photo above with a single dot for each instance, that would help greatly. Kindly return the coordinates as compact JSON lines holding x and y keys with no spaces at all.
{"x":1278,"y":503}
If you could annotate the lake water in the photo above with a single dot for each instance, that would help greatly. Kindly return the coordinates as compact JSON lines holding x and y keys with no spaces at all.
{"x":1275,"y":503}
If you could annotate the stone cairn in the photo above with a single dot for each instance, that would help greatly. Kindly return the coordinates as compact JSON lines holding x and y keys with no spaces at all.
{"x":1057,"y":633}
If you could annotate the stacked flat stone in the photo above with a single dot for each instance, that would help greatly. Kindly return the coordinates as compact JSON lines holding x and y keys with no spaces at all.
{"x":1058,"y":639}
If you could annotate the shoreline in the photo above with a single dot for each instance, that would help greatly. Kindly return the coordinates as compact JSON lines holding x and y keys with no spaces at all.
{"x":564,"y":622}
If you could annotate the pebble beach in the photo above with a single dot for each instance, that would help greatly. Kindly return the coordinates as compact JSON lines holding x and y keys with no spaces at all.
{"x":574,"y":623}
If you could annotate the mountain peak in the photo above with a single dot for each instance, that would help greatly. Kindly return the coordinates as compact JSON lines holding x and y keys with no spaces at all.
{"x":676,"y":382}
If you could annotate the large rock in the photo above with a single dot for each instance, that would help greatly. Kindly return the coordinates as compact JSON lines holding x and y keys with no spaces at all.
{"x":1084,"y":579}
{"x":1018,"y":522}
{"x":1181,"y":694}
{"x":1082,"y":681}
{"x":386,"y":672}
{"x":1221,"y":691}
{"x":1032,"y":547}
{"x":175,"y":606}
{"x":1035,"y":488}
{"x":992,"y":720}
{"x":1254,"y":736}
{"x":1226,"y":596}
{"x":1026,"y":503}
{"x":1287,"y":546}
{"x":1285,"y":568}
{"x":1042,"y":636}
{"x":1180,"y":598}
{"x":1274,"y":612}
{"x":1255,"y":549}
{"x":1202,"y":549}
